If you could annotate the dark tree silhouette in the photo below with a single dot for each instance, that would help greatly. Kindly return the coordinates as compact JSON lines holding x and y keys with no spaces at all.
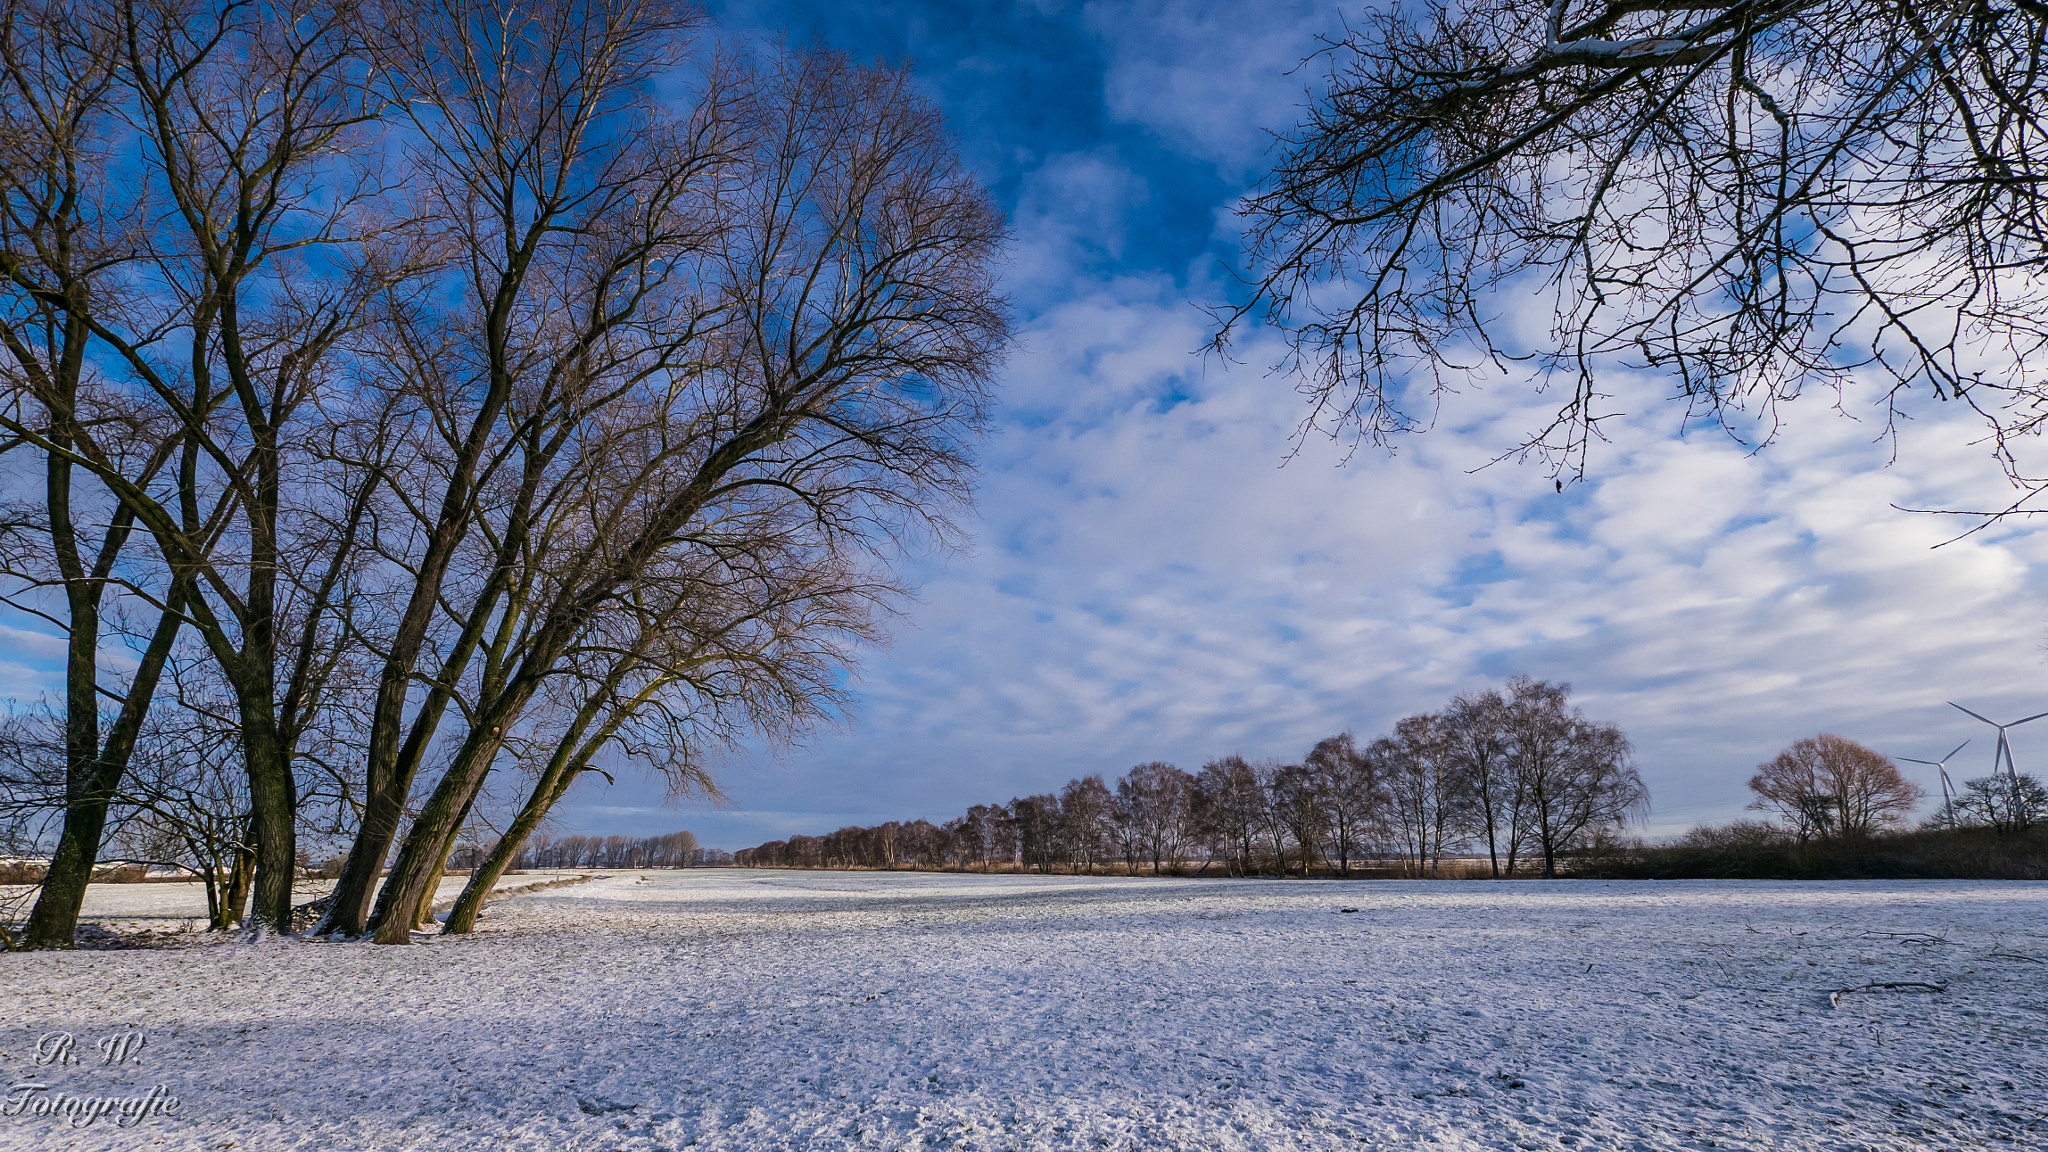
{"x":1752,"y":198}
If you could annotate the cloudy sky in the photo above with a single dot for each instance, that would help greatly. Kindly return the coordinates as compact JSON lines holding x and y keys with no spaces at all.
{"x":1157,"y":574}
{"x":1161,"y":570}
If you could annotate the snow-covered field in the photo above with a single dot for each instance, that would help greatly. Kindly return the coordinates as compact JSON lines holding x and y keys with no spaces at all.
{"x":749,"y":1010}
{"x":180,"y":906}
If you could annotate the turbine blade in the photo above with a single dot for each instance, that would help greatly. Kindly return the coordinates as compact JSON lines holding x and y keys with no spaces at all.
{"x":2035,"y":716}
{"x":1955,"y":705}
{"x":1952,"y":754}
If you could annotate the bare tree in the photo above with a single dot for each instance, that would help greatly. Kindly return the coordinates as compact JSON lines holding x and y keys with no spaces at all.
{"x":1752,"y":199}
{"x":1232,"y":804}
{"x":2007,"y":804}
{"x":67,"y":554}
{"x":1086,"y":809}
{"x":187,"y":804}
{"x":1038,"y":827}
{"x":1431,"y":803}
{"x":751,"y":643}
{"x":1478,"y":741}
{"x":566,"y":198}
{"x":1156,"y":795}
{"x":1298,"y":806}
{"x":857,"y":330}
{"x":1350,"y":794}
{"x":220,"y":308}
{"x":1574,"y":775}
{"x":1832,"y":788}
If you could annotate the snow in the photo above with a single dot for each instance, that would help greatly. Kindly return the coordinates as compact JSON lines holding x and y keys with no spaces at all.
{"x":180,"y":906}
{"x":760,"y":1010}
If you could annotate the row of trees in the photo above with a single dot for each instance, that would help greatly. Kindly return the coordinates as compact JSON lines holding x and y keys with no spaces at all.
{"x":420,"y":396}
{"x":1522,"y":776}
{"x":673,"y":850}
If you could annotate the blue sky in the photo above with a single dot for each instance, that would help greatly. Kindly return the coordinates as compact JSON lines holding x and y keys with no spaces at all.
{"x":1156,"y":573}
{"x":1152,"y":577}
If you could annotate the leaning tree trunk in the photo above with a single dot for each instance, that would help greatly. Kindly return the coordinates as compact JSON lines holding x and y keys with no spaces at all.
{"x":412,"y":874}
{"x":90,"y":786}
{"x":423,"y":916}
{"x":391,"y":777}
{"x":562,"y":770}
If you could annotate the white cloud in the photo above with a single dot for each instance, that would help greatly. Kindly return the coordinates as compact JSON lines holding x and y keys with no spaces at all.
{"x":1213,"y":78}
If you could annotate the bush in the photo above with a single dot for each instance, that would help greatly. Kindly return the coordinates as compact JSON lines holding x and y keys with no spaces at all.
{"x":1749,"y":850}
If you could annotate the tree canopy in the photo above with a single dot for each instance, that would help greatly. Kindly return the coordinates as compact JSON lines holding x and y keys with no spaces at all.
{"x":1754,"y":198}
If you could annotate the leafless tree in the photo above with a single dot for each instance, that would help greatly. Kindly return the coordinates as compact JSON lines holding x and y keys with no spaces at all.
{"x":1086,"y":810}
{"x":187,"y":803}
{"x":856,"y":329}
{"x":751,"y":643}
{"x":1351,"y":795}
{"x":2004,"y":803}
{"x":1431,"y":801}
{"x":66,"y":554}
{"x":1038,"y":830}
{"x":567,"y":203}
{"x":1751,"y":198}
{"x":232,"y":249}
{"x":1478,"y":741}
{"x":1155,"y":797}
{"x":1832,"y":788}
{"x":1297,"y":805}
{"x":1232,"y":804}
{"x":1575,"y":775}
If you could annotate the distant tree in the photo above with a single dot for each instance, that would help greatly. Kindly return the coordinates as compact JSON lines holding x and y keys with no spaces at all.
{"x":1272,"y":823}
{"x":1478,"y":742}
{"x":2003,"y":803}
{"x":989,"y":835}
{"x":1575,"y":775}
{"x":1233,"y":806}
{"x":1297,"y":806}
{"x":1431,"y":802}
{"x":1351,"y":795}
{"x":1087,"y":810}
{"x":1157,"y":796}
{"x":1831,"y":788}
{"x":1037,"y":820}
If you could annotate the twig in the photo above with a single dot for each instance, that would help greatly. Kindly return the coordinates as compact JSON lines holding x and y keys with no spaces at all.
{"x":1923,"y":938}
{"x":1835,"y":995}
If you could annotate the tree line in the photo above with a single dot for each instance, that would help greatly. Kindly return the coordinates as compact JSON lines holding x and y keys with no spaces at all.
{"x":430,"y":405}
{"x":1521,"y":776}
{"x":672,"y":850}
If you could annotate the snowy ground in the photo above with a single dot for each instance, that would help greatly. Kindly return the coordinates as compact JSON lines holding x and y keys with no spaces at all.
{"x":180,"y":906}
{"x":749,"y":1010}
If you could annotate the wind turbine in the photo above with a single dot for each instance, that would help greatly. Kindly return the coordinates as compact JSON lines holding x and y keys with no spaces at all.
{"x":1948,"y":792}
{"x":2004,"y":750}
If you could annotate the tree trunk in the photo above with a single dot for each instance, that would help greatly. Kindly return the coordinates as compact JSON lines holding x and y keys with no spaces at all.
{"x":412,"y":875}
{"x":90,"y":784}
{"x":391,"y":775}
{"x":274,"y":804}
{"x":234,"y":904}
{"x":548,"y":789}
